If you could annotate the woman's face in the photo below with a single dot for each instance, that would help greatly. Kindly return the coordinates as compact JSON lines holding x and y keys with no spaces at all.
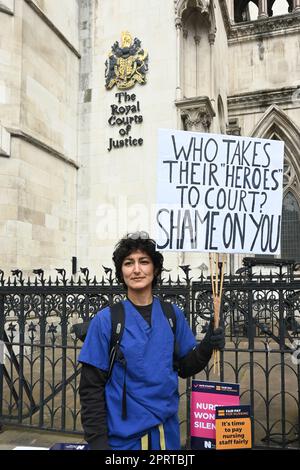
{"x":138,"y":271}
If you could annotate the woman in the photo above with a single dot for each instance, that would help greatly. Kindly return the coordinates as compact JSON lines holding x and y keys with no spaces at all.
{"x":144,"y":376}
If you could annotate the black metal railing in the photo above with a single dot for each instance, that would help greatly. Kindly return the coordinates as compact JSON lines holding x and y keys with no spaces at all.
{"x":39,"y":372}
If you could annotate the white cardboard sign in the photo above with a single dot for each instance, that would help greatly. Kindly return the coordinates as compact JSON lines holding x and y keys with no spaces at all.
{"x":218,"y":193}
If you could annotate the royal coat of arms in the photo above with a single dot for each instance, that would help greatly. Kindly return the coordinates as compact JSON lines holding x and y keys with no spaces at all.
{"x":127,"y":64}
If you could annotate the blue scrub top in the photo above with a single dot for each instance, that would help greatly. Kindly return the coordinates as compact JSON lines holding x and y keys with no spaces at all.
{"x":151,"y":383}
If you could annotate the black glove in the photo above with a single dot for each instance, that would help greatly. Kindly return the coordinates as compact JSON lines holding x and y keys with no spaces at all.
{"x":80,"y":330}
{"x":214,"y":338}
{"x":217,"y":338}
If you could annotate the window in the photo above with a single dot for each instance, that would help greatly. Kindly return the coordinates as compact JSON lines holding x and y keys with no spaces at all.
{"x":280,"y":7}
{"x":276,"y":124}
{"x":247,"y":10}
{"x":290,"y":228}
{"x":290,"y":236}
{"x":253,"y":11}
{"x":242,"y":10}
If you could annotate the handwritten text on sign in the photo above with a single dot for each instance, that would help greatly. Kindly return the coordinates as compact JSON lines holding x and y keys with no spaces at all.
{"x":219,"y":193}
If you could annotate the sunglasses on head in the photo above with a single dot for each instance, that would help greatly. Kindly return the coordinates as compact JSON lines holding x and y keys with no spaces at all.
{"x":136,"y":235}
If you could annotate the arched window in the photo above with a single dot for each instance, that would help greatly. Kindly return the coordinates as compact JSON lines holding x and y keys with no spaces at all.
{"x":290,"y":234}
{"x":279,"y":7}
{"x":276,"y":124}
{"x":242,"y":10}
{"x":247,"y":10}
{"x":253,"y":11}
{"x":290,"y":228}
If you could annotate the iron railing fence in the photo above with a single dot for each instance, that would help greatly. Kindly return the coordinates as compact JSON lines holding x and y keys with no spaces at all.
{"x":39,"y":372}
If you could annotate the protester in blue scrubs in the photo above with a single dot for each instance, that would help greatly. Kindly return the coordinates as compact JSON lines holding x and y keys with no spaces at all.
{"x":144,"y":379}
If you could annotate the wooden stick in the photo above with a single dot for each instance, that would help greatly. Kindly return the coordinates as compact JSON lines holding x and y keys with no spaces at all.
{"x":217,"y":274}
{"x":212,"y":276}
{"x":216,"y":360}
{"x":222,"y":277}
{"x":217,"y":297}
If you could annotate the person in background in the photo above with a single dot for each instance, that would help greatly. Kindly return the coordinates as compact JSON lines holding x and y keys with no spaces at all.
{"x":137,"y":406}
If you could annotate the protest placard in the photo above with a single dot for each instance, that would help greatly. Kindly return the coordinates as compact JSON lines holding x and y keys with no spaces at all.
{"x":218,"y":193}
{"x":233,"y":427}
{"x":206,"y":396}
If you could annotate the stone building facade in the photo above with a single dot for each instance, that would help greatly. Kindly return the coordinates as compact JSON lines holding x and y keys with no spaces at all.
{"x":69,"y":187}
{"x":39,"y":64}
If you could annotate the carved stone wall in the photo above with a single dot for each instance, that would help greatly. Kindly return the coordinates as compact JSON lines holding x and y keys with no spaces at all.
{"x":196,"y":114}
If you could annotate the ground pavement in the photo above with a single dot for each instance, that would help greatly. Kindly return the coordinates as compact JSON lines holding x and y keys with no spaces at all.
{"x":11,"y":437}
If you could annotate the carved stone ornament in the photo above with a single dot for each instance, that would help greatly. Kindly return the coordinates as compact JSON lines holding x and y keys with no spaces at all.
{"x":182,"y":5}
{"x":196,"y":113}
{"x":279,"y":25}
{"x":126,"y":64}
{"x":262,"y":99}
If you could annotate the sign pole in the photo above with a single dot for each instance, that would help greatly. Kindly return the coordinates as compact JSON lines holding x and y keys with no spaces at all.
{"x":217,"y":290}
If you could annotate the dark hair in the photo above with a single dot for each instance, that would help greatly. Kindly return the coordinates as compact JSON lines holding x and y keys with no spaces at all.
{"x":133,"y":242}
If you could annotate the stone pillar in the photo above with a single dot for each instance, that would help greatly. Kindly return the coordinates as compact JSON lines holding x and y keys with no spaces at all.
{"x":296,"y":5}
{"x":197,"y":43}
{"x":178,"y":25}
{"x":211,"y":40}
{"x":262,"y":9}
